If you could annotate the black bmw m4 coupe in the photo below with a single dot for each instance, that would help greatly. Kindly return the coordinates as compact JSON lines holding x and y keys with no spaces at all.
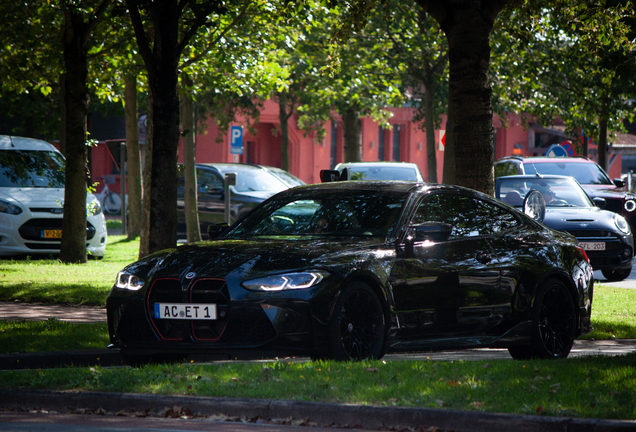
{"x":352,"y":270}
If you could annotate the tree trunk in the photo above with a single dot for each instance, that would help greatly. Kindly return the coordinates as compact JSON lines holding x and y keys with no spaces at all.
{"x":284,"y":130}
{"x":351,"y":131}
{"x":76,"y":101}
{"x":62,"y":81}
{"x":134,"y":158}
{"x":429,"y":124}
{"x":189,"y":161}
{"x":602,"y":137}
{"x":449,"y":146}
{"x":467,"y":25}
{"x":144,"y":244}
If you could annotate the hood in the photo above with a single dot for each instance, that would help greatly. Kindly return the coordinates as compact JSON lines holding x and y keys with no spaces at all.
{"x":607,"y":191}
{"x":569,"y":219}
{"x":38,"y":197}
{"x":249,"y":259}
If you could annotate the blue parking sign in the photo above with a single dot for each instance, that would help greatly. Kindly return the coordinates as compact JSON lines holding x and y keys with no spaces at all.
{"x":236,"y":140}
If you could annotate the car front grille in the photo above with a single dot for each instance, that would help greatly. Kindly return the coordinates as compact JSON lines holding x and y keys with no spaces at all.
{"x":246,"y":326}
{"x":32,"y":229}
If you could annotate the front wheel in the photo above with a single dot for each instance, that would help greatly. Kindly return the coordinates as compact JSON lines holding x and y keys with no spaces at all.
{"x":616,"y":275}
{"x":357,"y":327}
{"x":553,"y":324}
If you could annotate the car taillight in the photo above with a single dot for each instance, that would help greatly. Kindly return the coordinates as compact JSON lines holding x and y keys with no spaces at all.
{"x":580,"y":249}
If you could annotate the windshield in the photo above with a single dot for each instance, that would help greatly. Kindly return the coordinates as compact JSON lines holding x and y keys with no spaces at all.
{"x":583,"y":172}
{"x":342,"y":214}
{"x":31,"y":169}
{"x":382,"y":173}
{"x":254,"y":180}
{"x":287,"y":178}
{"x":556,"y":192}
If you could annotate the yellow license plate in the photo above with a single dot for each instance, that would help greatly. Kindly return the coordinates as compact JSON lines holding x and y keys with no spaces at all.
{"x":49,"y":234}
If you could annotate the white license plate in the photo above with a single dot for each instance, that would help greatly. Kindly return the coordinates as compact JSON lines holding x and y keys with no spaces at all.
{"x":199,"y":311}
{"x":592,"y":246}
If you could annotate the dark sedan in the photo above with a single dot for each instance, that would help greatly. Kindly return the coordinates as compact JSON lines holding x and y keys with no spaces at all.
{"x":606,"y":236}
{"x":351,"y":270}
{"x":254,"y":184}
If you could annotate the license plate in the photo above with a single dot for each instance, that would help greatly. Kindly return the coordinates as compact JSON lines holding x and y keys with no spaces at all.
{"x":48,"y":234}
{"x":199,"y":311}
{"x":592,"y":246}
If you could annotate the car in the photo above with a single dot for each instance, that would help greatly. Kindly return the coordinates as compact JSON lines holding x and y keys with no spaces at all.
{"x":254,"y":183}
{"x":349,"y":270}
{"x":605,"y":236}
{"x":381,"y":171}
{"x":31,"y":201}
{"x":588,"y":173}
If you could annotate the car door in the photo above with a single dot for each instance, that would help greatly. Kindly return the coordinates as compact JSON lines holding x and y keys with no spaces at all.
{"x":449,"y":287}
{"x":210,"y":197}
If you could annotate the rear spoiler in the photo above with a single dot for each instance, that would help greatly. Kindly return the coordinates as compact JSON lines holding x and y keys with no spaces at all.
{"x":327,"y":176}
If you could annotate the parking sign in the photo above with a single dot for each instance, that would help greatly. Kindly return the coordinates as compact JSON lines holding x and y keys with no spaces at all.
{"x":236,"y":140}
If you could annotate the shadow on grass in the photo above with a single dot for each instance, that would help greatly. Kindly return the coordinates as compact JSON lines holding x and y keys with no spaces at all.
{"x":59,"y":293}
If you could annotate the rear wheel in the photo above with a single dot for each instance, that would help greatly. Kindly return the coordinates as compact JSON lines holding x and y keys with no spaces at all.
{"x":616,"y":275}
{"x":357,"y":328}
{"x":553,"y":324}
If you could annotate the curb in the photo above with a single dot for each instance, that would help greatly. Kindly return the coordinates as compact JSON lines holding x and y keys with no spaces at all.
{"x":357,"y":416}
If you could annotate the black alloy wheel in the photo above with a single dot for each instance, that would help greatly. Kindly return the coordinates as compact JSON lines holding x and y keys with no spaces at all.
{"x":616,"y":275}
{"x":553,"y":324}
{"x":357,"y":328}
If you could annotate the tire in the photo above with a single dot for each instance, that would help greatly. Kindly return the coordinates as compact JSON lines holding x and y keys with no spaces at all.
{"x":616,"y":275}
{"x":357,"y":327}
{"x":112,"y":204}
{"x":553,"y":324}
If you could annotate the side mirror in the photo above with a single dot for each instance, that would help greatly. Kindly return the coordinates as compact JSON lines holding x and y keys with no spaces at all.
{"x":534,"y":205}
{"x":327,"y":176}
{"x":215,"y":230}
{"x":619,"y":183}
{"x":599,"y":202}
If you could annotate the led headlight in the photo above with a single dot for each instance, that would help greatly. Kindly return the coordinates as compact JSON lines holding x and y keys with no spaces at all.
{"x":7,"y":207}
{"x":287,"y":281}
{"x":128,"y":281}
{"x":630,"y":205}
{"x":621,"y":224}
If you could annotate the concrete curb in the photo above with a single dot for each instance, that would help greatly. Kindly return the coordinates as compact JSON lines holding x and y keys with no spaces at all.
{"x":360,"y":416}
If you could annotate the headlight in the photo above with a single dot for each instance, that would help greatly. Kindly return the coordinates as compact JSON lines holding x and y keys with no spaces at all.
{"x":630,"y":205}
{"x":287,"y":281}
{"x":93,"y":208}
{"x":7,"y":207}
{"x":621,"y":223}
{"x":128,"y":281}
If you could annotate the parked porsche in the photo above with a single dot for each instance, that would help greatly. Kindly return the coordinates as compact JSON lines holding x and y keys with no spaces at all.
{"x":352,"y":270}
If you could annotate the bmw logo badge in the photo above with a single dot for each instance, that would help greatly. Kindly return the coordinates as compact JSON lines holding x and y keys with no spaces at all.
{"x":190,"y":275}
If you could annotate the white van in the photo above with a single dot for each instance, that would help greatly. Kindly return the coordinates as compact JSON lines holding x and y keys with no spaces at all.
{"x":32,"y":198}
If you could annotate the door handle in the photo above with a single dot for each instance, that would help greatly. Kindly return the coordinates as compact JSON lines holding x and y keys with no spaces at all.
{"x":483,"y":257}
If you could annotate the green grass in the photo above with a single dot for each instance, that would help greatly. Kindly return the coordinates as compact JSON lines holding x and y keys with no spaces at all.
{"x":51,"y":335}
{"x":613,"y":313}
{"x":53,"y":282}
{"x":598,"y":387}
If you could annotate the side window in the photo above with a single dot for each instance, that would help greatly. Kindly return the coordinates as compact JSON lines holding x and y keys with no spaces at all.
{"x":455,"y":210}
{"x":208,"y":180}
{"x":493,"y":219}
{"x":506,"y":169}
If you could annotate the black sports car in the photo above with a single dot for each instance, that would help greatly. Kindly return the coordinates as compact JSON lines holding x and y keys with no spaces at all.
{"x":605,"y":236}
{"x":351,"y":270}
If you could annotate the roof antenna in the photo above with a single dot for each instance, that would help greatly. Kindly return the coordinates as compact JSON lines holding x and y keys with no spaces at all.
{"x":11,"y":139}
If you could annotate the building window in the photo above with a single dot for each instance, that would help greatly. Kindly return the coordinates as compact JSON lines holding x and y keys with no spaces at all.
{"x":381,"y":144}
{"x":396,"y":143}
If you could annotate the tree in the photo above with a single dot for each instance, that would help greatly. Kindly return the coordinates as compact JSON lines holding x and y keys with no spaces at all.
{"x":420,"y":44}
{"x":467,"y":25}
{"x":571,"y":61}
